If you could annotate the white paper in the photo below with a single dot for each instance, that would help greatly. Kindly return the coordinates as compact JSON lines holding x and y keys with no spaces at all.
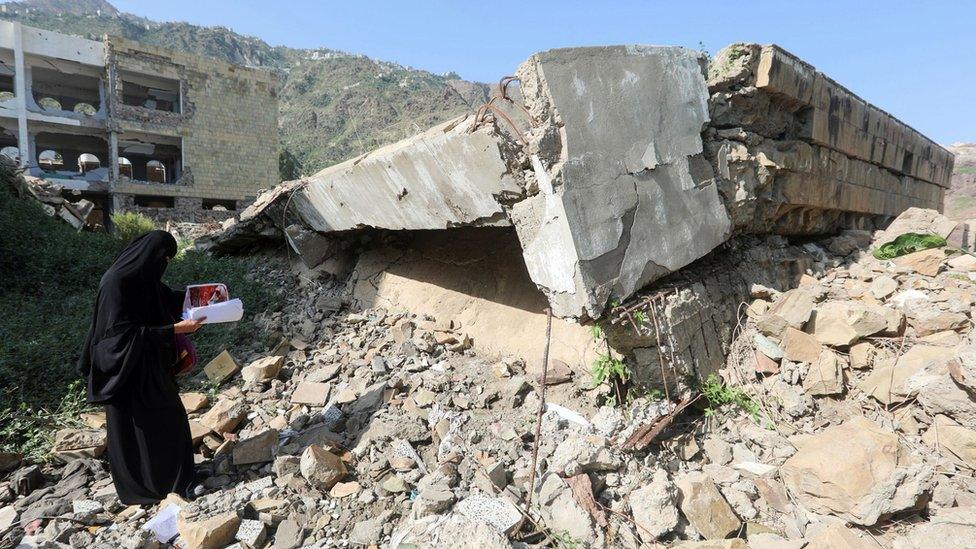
{"x":164,"y":523}
{"x":567,"y":414}
{"x":227,"y":311}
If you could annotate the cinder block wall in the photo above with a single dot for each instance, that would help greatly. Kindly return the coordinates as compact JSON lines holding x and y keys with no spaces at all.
{"x":228,"y":122}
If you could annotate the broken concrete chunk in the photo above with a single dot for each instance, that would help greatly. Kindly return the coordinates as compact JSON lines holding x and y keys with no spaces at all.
{"x":825,"y":376}
{"x":256,"y":449}
{"x":289,"y":535}
{"x":224,"y":416}
{"x":583,"y":455}
{"x":863,"y":356}
{"x":321,"y":468}
{"x":654,"y":507}
{"x":926,"y":262}
{"x":596,"y":233}
{"x":221,"y":368}
{"x":193,"y":402}
{"x":889,"y":384}
{"x":251,"y":533}
{"x":311,"y":393}
{"x":952,"y":528}
{"x":842,"y":323}
{"x":212,"y":533}
{"x":792,"y":309}
{"x":800,"y":346}
{"x":497,"y":511}
{"x":856,"y":471}
{"x":956,"y":442}
{"x":263,"y":369}
{"x":705,"y":508}
{"x":76,"y":443}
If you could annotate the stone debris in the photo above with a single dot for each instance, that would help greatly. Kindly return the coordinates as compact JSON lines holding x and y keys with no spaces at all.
{"x":705,"y":508}
{"x":381,"y":427}
{"x":654,"y":507}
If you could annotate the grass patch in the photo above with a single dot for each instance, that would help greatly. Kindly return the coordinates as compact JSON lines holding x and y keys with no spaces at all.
{"x":719,"y":395}
{"x":49,"y":275}
{"x":968,"y":170}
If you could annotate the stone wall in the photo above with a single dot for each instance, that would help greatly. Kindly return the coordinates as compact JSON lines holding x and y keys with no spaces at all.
{"x":228,"y":121}
{"x":185,"y":208}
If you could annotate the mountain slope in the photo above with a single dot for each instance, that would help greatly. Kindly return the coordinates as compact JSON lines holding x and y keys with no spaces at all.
{"x":960,"y":200}
{"x":332,"y":105}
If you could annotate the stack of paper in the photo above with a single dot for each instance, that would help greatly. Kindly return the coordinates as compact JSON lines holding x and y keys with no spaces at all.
{"x":225,"y":311}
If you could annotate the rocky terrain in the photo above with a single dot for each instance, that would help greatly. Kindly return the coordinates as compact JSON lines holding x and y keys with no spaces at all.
{"x":843,"y":421}
{"x":960,"y":200}
{"x":333,"y":105}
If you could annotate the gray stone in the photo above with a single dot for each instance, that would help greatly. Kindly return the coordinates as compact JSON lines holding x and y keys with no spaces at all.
{"x":561,"y":511}
{"x":289,"y":535}
{"x":498,"y":512}
{"x":368,"y":532}
{"x":654,"y":508}
{"x":252,"y":533}
{"x":256,"y":449}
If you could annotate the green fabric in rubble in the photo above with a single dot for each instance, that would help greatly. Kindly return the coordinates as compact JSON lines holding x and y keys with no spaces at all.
{"x":908,"y":243}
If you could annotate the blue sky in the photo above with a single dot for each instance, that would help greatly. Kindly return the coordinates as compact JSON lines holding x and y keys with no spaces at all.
{"x":916,"y":59}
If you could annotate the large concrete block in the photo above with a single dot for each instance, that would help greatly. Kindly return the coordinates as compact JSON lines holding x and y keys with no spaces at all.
{"x":627,"y":195}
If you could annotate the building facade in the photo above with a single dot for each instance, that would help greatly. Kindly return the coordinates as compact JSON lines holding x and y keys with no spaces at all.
{"x":136,"y":127}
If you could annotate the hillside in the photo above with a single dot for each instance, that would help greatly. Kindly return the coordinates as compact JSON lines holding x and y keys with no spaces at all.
{"x":333,"y":105}
{"x":960,"y":201}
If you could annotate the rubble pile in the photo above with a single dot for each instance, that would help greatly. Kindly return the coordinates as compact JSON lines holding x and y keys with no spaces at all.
{"x":380,"y":428}
{"x":76,"y":213}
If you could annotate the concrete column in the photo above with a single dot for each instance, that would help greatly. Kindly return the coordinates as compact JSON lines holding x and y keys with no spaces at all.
{"x":20,"y":89}
{"x":113,"y":157}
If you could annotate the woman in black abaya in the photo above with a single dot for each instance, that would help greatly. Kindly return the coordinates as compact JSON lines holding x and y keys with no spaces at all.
{"x":128,"y":363}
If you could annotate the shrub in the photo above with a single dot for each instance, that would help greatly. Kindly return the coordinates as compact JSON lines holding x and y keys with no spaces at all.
{"x":129,"y":225}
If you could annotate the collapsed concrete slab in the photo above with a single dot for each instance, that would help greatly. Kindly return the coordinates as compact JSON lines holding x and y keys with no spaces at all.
{"x":444,"y":177}
{"x":621,"y":165}
{"x":625,"y":194}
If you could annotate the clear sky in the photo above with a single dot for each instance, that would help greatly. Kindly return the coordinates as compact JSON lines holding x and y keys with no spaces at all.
{"x":915,"y":59}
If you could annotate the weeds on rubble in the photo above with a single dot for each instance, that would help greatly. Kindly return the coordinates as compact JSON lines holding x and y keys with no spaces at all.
{"x":610,"y":370}
{"x":718,"y":394}
{"x":34,"y":427}
{"x":129,"y":225}
{"x":565,"y":540}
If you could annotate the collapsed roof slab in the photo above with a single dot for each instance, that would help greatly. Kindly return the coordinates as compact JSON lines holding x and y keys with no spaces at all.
{"x":622,"y":184}
{"x":633,"y":166}
{"x":444,"y":177}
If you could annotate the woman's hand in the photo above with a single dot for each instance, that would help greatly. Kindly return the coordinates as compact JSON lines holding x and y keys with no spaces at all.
{"x":188,"y":326}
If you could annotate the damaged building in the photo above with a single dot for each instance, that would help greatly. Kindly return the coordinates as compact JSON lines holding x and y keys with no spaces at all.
{"x":128,"y":126}
{"x":591,"y":178}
